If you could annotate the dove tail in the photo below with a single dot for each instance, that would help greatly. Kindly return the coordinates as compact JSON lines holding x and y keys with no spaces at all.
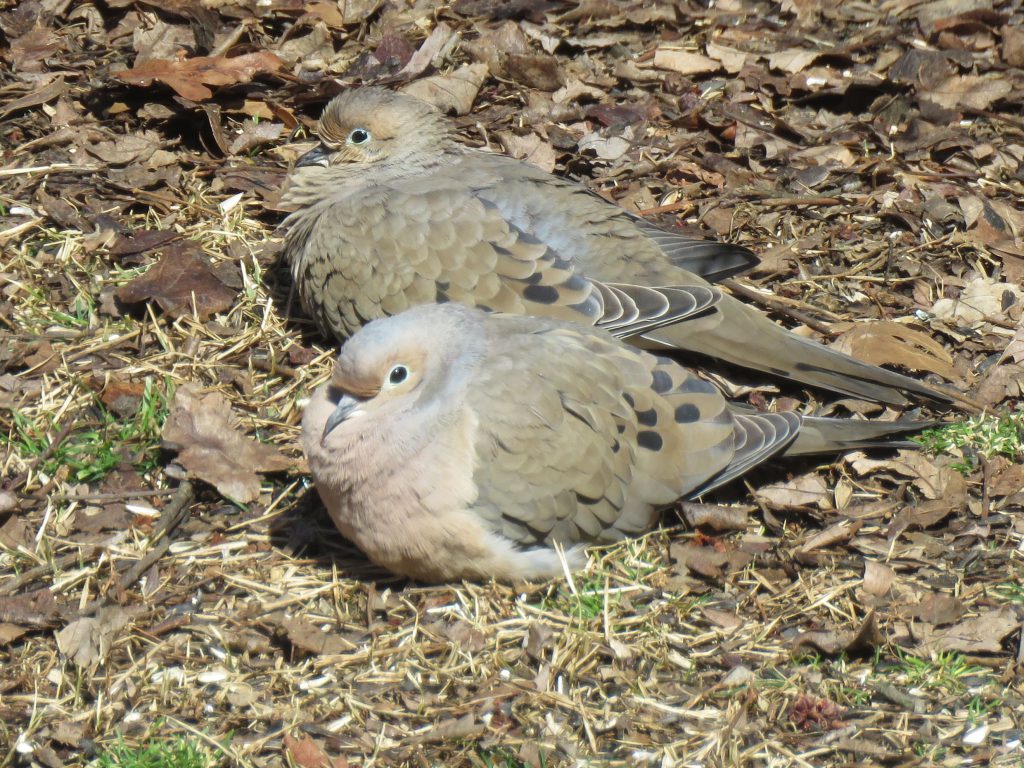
{"x":741,"y":336}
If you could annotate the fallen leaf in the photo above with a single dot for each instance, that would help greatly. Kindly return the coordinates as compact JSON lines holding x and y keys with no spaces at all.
{"x":982,"y":634}
{"x":971,"y":91}
{"x":537,"y":640}
{"x":455,"y":92}
{"x":1013,"y":45}
{"x":891,"y":343}
{"x":181,"y":282}
{"x":704,"y":561}
{"x":306,"y":753}
{"x":715,"y":516}
{"x":189,"y":77}
{"x":307,"y":637}
{"x":88,"y":640}
{"x":792,"y":60}
{"x":732,"y":59}
{"x":10,"y":632}
{"x":937,"y":608}
{"x":804,"y":491}
{"x":605,"y":147}
{"x":15,"y":533}
{"x":203,"y":430}
{"x":981,"y":299}
{"x":531,"y":148}
{"x":878,"y":578}
{"x":253,"y":134}
{"x":36,"y":609}
{"x":440,"y":38}
{"x":684,"y":62}
{"x":534,"y":70}
{"x":833,"y":641}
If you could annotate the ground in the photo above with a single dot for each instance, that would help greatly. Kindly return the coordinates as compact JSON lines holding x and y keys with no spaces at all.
{"x":169,"y":584}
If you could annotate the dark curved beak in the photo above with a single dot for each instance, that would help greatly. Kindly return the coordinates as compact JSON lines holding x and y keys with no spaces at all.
{"x":346,"y":404}
{"x":315,"y":156}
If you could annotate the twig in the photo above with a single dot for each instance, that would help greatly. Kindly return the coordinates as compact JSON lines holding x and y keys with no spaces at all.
{"x":170,"y":518}
{"x":779,"y":306}
{"x":12,"y":586}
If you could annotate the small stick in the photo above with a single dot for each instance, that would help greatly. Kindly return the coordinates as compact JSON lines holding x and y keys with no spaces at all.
{"x":779,"y":306}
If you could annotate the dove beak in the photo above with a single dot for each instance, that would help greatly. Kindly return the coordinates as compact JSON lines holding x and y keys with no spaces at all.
{"x":315,"y":156}
{"x":346,"y":405}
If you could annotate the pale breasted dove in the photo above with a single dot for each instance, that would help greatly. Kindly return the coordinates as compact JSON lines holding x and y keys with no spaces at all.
{"x":454,"y":443}
{"x":392,"y":212}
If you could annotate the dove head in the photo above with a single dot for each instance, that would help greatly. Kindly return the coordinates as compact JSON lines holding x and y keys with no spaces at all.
{"x":366,"y":126}
{"x":417,"y":362}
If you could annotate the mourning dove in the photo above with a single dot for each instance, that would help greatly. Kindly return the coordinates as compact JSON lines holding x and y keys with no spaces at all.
{"x":454,"y":443}
{"x":391,"y":212}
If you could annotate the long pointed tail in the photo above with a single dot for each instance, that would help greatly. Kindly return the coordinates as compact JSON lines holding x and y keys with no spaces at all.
{"x":741,"y":335}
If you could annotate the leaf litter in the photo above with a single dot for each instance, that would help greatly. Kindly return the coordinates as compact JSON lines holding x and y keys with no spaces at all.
{"x":840,"y":610}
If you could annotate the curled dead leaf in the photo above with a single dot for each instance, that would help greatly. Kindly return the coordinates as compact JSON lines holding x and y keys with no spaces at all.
{"x":891,"y":343}
{"x":832,"y":641}
{"x":203,"y":430}
{"x":454,"y":92}
{"x":182,"y":282}
{"x":982,"y":634}
{"x":190,"y":77}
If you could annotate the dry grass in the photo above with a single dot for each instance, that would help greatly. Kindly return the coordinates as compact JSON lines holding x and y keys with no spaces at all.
{"x":243,"y":627}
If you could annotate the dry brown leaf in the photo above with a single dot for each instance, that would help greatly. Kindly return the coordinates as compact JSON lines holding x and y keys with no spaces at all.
{"x":190,"y":77}
{"x":684,"y":62}
{"x":181,"y":282}
{"x":971,"y":91}
{"x":440,"y":38}
{"x":704,"y":561}
{"x":88,"y":640}
{"x":832,"y":641}
{"x":837,"y":533}
{"x":891,"y":343}
{"x":202,"y":428}
{"x":306,"y":753}
{"x":715,"y":516}
{"x":37,"y":609}
{"x":981,"y":299}
{"x":307,"y":637}
{"x":253,"y":134}
{"x":792,"y":60}
{"x":982,"y":634}
{"x":450,"y":93}
{"x":531,"y":148}
{"x":878,"y":577}
{"x":1013,"y":45}
{"x":937,"y":608}
{"x":10,"y":632}
{"x":15,"y":533}
{"x":804,"y":491}
{"x":733,"y":60}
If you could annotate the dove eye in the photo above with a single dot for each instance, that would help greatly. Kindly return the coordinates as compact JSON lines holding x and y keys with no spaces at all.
{"x":359,"y":136}
{"x":398,"y":374}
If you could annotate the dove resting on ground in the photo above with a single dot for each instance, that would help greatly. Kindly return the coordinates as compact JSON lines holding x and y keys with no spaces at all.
{"x":392,"y":212}
{"x":454,"y":443}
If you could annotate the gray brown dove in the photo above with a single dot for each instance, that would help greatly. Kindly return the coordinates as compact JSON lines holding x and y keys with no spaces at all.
{"x":454,"y":443}
{"x":392,"y":212}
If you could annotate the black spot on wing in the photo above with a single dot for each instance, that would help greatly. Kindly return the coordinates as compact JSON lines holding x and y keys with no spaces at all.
{"x":650,"y":440}
{"x":648,"y":418}
{"x":542,"y":294}
{"x":661,"y":382}
{"x":687,"y":413}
